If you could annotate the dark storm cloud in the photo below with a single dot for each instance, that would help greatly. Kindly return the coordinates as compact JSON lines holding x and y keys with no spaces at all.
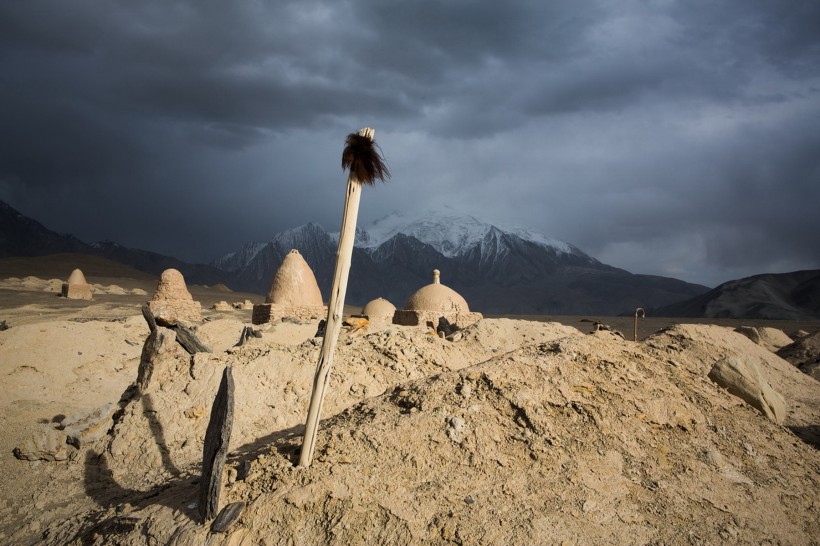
{"x":664,"y":137}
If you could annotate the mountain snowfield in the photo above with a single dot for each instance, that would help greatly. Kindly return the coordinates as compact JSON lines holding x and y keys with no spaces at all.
{"x":450,"y":232}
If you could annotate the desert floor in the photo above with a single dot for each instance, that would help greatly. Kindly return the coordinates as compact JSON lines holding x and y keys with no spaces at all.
{"x":527,"y":430}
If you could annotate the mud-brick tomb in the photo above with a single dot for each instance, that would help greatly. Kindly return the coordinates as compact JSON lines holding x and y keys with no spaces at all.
{"x":379,"y":312}
{"x":172,"y":302}
{"x":433,"y":301}
{"x":293,"y":293}
{"x":76,"y":288}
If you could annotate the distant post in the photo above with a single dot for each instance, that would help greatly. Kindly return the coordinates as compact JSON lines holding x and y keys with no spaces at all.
{"x":362,"y":157}
{"x":638,"y":312}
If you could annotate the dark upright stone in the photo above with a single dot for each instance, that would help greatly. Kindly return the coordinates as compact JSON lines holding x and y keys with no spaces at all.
{"x":217,"y":437}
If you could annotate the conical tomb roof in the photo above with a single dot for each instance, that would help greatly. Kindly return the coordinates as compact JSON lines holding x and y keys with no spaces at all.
{"x":171,"y":286}
{"x":77,"y":277}
{"x":294,"y":284}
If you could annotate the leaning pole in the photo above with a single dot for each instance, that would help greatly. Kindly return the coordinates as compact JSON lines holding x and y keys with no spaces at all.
{"x":361,"y":156}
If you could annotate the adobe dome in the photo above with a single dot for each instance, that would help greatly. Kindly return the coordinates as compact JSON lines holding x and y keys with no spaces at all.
{"x":294,"y":284}
{"x":77,"y":277}
{"x":379,"y":308}
{"x":435,"y":301}
{"x":437,"y":298}
{"x":171,"y":286}
{"x":172,"y":302}
{"x":76,"y":288}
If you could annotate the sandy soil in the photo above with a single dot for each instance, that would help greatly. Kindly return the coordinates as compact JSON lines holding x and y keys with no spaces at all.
{"x":518,"y":432}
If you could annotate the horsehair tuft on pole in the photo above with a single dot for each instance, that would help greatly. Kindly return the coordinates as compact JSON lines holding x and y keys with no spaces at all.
{"x":363,"y":157}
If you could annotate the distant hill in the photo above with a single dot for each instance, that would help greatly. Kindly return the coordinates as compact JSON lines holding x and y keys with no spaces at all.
{"x":782,"y":296}
{"x":21,"y":236}
{"x":60,"y":266}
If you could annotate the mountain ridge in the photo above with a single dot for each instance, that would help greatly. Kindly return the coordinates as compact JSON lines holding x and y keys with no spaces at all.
{"x":778,"y":296}
{"x":497,"y":270}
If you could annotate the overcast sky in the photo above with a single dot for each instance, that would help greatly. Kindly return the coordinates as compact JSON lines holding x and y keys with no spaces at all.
{"x":663,"y":137}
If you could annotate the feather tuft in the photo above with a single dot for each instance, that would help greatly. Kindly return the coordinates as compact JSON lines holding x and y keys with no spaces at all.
{"x":363,"y":157}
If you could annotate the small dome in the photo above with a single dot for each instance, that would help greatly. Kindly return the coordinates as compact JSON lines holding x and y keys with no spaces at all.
{"x":77,"y":277}
{"x":437,"y":297}
{"x":294,"y":284}
{"x":379,"y":307}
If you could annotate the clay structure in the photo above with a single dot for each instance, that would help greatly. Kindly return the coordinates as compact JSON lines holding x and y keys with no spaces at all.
{"x":76,"y":288}
{"x":172,"y":301}
{"x":379,"y":311}
{"x":293,"y":293}
{"x":433,"y":301}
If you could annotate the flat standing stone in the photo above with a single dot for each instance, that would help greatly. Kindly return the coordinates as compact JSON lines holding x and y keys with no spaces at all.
{"x":217,"y":438}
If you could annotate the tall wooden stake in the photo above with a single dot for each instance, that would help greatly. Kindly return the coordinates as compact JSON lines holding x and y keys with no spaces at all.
{"x":359,"y":174}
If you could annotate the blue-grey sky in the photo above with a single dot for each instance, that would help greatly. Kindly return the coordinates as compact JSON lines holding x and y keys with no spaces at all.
{"x":665,"y":137}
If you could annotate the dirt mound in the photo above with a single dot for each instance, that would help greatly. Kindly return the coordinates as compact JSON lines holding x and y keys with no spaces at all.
{"x":162,"y":431}
{"x":805,"y":354}
{"x":771,"y":338}
{"x":571,"y":437}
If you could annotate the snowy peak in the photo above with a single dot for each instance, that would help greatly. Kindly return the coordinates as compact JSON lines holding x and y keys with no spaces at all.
{"x":298,"y":237}
{"x":447,"y":231}
{"x":452,"y":233}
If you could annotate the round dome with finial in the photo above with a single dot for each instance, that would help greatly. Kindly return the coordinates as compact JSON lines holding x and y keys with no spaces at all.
{"x":437,"y":297}
{"x":294,"y":284}
{"x":379,"y":308}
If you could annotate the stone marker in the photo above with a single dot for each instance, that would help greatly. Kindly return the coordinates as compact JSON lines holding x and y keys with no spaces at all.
{"x":227,"y":517}
{"x":76,"y":288}
{"x":247,"y":333}
{"x":185,"y":336}
{"x":742,"y":379}
{"x":158,"y":342}
{"x":189,"y":340}
{"x":215,"y":450}
{"x":85,"y":428}
{"x":49,"y":446}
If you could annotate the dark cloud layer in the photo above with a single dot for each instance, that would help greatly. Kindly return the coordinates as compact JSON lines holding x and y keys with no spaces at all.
{"x":676,"y":138}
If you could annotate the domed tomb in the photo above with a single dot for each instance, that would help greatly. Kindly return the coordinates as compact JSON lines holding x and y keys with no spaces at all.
{"x":172,"y":302}
{"x":76,"y":288}
{"x":378,"y":308}
{"x":293,"y":292}
{"x":379,"y":312}
{"x":433,"y":301}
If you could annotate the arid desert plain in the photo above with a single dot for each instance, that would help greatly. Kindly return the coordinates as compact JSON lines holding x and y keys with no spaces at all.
{"x":513,"y":432}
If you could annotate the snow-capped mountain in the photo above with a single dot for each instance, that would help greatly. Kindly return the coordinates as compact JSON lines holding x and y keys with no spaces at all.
{"x":451,"y":232}
{"x":498,"y":269}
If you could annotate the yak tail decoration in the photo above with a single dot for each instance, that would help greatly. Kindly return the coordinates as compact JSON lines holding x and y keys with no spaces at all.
{"x":362,"y":156}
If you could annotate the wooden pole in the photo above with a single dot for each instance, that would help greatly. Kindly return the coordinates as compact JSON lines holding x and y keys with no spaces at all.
{"x":335,"y":310}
